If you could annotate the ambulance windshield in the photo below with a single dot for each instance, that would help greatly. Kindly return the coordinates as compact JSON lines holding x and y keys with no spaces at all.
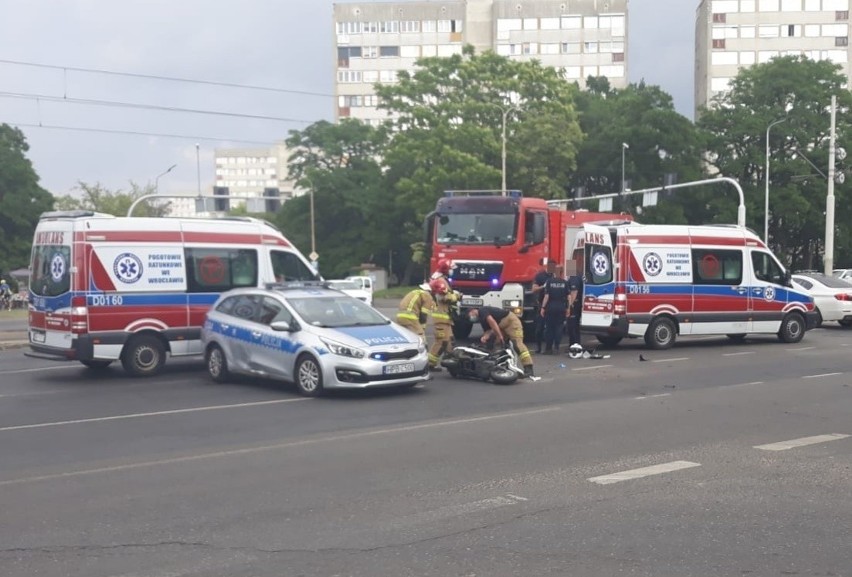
{"x":498,"y":229}
{"x":50,"y":274}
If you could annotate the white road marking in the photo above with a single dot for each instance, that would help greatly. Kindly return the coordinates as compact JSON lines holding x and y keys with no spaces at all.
{"x":748,"y":384}
{"x":652,"y":396}
{"x":38,"y":369}
{"x":460,"y":510}
{"x":821,"y":375}
{"x":643,"y":472}
{"x":804,"y":441}
{"x":674,"y":360}
{"x":738,"y":354}
{"x":591,"y":368}
{"x":154,"y":414}
{"x":802,"y":349}
{"x":278,"y":446}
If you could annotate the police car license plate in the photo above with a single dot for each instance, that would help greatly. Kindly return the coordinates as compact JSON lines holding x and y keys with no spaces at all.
{"x":399,"y":369}
{"x":37,"y":336}
{"x":472,"y":302}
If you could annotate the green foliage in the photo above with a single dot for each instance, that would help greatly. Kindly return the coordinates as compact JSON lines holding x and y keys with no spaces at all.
{"x":22,"y":200}
{"x":100,"y":199}
{"x":736,"y":140}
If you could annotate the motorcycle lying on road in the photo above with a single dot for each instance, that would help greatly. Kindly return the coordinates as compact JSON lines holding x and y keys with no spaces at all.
{"x":500,"y":366}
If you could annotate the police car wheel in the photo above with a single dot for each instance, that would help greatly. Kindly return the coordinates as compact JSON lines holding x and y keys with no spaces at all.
{"x":661,"y":334}
{"x":217,"y":364}
{"x":143,"y":356}
{"x":308,"y":376}
{"x":845,"y":324}
{"x":792,"y":328}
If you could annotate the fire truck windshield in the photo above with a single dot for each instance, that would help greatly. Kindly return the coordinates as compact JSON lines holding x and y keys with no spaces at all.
{"x":496,"y":229}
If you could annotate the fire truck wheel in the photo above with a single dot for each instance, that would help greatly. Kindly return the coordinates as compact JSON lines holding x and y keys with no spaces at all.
{"x":661,"y":334}
{"x":143,"y":356}
{"x":96,"y":365}
{"x":217,"y":364}
{"x":608,"y":341}
{"x":308,"y":376}
{"x":792,"y":328}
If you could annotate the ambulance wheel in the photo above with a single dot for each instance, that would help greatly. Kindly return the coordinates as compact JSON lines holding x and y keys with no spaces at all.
{"x":143,"y":356}
{"x":608,"y":341}
{"x":217,"y":364}
{"x":661,"y":334}
{"x":308,"y":376}
{"x":792,"y":328}
{"x":96,"y":365}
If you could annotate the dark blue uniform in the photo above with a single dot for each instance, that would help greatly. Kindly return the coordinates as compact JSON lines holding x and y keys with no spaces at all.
{"x":575,"y":283}
{"x":540,"y":279}
{"x":556,"y":290}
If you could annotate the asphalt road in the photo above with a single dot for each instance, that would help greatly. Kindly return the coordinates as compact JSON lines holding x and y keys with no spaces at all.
{"x":708,"y":459}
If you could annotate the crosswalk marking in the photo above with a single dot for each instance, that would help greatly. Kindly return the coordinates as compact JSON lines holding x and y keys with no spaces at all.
{"x":804,"y":441}
{"x":643,"y":472}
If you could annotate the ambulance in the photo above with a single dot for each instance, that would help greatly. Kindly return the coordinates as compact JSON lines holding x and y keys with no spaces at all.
{"x":105,"y":288}
{"x":661,"y":281}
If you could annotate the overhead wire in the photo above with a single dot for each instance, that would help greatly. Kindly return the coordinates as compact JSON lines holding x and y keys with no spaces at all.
{"x":136,"y":133}
{"x":166,"y":78}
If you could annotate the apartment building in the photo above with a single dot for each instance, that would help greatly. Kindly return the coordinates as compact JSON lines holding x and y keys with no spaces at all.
{"x":373,"y":41}
{"x":732,"y":34}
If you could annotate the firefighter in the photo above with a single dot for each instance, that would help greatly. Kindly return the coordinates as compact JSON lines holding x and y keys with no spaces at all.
{"x":442,"y":320}
{"x":443,"y":269}
{"x":414,"y":310}
{"x":500,"y":324}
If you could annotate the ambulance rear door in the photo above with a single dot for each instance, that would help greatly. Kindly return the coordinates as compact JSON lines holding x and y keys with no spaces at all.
{"x":598,"y":279}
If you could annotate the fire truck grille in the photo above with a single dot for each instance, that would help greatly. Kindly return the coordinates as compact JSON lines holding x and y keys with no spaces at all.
{"x":476,"y":271}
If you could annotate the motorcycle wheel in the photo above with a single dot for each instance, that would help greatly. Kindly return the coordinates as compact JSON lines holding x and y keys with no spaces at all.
{"x":502,"y":376}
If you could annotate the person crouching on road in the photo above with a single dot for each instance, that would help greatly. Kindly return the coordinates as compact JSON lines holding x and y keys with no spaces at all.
{"x":553,"y":309}
{"x":445,"y":298}
{"x":414,"y":310}
{"x":500,"y":324}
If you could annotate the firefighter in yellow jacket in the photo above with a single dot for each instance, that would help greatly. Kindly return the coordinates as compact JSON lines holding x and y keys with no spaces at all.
{"x":414,"y":310}
{"x":445,"y":298}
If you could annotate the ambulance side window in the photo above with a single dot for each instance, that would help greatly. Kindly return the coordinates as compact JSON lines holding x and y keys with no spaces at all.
{"x":713,"y":266}
{"x":286,"y":266}
{"x":220,"y":269}
{"x":766,"y":268}
{"x":598,"y":264}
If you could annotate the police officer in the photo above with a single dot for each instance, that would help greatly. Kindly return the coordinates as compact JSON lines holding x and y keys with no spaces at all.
{"x":502,"y":324}
{"x":539,"y":281}
{"x":414,"y":310}
{"x":575,"y":308}
{"x":553,"y":309}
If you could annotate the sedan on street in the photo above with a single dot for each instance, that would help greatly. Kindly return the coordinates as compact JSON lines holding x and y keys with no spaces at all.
{"x":313,"y":336}
{"x":832,"y":296}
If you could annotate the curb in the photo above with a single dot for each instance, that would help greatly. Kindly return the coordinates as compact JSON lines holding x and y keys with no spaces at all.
{"x":10,"y":345}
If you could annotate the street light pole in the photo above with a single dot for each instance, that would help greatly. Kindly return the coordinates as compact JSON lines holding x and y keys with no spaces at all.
{"x":198,"y":166}
{"x":828,"y":260}
{"x":505,"y":110}
{"x":766,"y":184}
{"x":624,"y":147}
{"x":157,"y":180}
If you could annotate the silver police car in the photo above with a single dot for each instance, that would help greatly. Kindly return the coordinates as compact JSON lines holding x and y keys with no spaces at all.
{"x":312,"y":335}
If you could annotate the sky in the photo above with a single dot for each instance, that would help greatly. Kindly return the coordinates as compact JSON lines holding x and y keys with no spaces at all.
{"x":283,"y":44}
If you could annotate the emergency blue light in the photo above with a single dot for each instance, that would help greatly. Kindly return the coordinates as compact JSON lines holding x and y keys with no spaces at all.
{"x":494,"y":281}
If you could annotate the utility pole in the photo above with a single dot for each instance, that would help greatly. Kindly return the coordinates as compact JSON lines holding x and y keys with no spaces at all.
{"x":828,"y":259}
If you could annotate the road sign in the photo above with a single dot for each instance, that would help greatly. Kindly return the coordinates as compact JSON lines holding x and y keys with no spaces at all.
{"x":313,"y":256}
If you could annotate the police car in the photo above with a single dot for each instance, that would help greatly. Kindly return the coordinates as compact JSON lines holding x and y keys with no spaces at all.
{"x":311,"y":335}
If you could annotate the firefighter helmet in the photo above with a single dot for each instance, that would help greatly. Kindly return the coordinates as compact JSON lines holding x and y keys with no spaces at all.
{"x":438,"y":286}
{"x":444,"y":266}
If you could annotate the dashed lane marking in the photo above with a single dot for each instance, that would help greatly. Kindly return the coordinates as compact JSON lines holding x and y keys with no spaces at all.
{"x":674,"y":360}
{"x":38,"y":370}
{"x":652,"y":396}
{"x":738,"y":354}
{"x":643,"y":472}
{"x":591,"y":368}
{"x":821,"y":375}
{"x":803,"y":442}
{"x":802,"y":349}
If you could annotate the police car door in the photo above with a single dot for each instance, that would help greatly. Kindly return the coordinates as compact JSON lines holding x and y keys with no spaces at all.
{"x":273,"y":351}
{"x":598,"y":278}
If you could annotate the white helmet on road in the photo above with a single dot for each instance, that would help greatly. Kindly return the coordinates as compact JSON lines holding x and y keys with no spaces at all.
{"x":575,"y":351}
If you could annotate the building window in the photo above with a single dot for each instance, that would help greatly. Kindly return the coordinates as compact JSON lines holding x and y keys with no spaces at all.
{"x":572,"y":22}
{"x":791,"y":5}
{"x":768,"y":31}
{"x":550,"y":48}
{"x":550,"y":23}
{"x":747,"y":58}
{"x":720,"y":6}
{"x":793,"y":30}
{"x":429,"y":26}
{"x":719,"y":44}
{"x":389,"y":51}
{"x":719,"y":18}
{"x":443,"y":26}
{"x":835,"y":5}
{"x":389,"y":27}
{"x":812,"y":6}
{"x":768,"y":5}
{"x":746,"y":5}
{"x":590,"y":22}
{"x":590,"y":48}
{"x":409,"y":51}
{"x":571,"y":48}
{"x":841,"y":15}
{"x":618,"y":56}
{"x":409,"y":26}
{"x":841,"y":41}
{"x":747,"y":31}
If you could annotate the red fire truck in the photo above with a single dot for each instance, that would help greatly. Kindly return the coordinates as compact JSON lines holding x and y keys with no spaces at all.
{"x":498,"y":243}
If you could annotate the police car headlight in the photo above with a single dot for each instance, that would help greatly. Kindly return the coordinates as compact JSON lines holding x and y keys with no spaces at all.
{"x":344,"y":350}
{"x":421,"y":348}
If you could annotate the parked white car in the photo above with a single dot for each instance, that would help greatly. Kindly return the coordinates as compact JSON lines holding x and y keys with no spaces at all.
{"x":353,"y":289}
{"x":844,"y":274}
{"x":363,"y":282}
{"x":832,"y":296}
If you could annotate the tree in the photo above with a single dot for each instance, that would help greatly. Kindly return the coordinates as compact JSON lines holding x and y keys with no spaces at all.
{"x":100,"y":199}
{"x":660,"y":141}
{"x":736,"y":127}
{"x":354,"y":214}
{"x":22,"y":200}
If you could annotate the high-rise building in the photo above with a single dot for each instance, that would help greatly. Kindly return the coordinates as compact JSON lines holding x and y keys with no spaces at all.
{"x":373,"y":41}
{"x":732,"y":34}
